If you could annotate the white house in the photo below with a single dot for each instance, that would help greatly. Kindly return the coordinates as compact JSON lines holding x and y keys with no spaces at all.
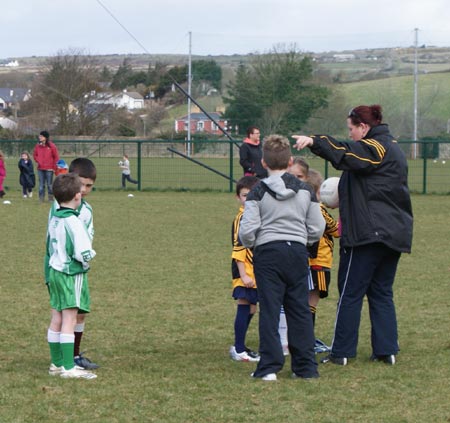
{"x":129,"y":100}
{"x":7,"y":123}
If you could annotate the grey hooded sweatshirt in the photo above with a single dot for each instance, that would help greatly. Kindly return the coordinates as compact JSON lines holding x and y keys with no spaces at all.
{"x":281,"y":208}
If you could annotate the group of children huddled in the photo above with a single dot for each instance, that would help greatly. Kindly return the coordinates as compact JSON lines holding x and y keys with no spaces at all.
{"x":282,"y":256}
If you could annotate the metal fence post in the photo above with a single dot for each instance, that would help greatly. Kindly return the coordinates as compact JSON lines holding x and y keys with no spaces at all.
{"x":424,"y":155}
{"x":230,"y":143}
{"x":139,"y":164}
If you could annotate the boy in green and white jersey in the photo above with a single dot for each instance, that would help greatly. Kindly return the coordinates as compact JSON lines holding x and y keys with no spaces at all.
{"x":69,"y":251}
{"x":87,"y":172}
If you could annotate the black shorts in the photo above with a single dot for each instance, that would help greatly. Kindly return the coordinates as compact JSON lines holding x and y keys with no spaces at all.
{"x":249,"y":294}
{"x":321,"y":280}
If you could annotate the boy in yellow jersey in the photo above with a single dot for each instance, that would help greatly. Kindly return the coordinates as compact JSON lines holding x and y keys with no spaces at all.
{"x":244,"y":285}
{"x":321,"y":258}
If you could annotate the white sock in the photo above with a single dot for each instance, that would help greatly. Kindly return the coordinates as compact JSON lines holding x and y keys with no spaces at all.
{"x":53,"y":337}
{"x":282,"y":328}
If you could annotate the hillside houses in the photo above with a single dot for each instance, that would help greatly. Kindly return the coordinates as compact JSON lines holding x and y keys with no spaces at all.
{"x":129,"y":100}
{"x":11,"y":96}
{"x":200,"y":122}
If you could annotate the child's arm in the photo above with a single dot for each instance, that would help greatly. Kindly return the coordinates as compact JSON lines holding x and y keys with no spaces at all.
{"x":246,"y":279}
{"x":250,"y":224}
{"x":332,"y":227}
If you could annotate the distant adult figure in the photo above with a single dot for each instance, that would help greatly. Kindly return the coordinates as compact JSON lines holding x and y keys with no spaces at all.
{"x":376,"y":223}
{"x":46,"y":155}
{"x":250,"y":154}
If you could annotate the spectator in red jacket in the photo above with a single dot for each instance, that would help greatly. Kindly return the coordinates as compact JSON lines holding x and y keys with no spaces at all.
{"x":46,"y":155}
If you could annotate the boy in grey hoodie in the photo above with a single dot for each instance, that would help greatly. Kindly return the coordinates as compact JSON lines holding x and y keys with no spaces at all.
{"x":281,"y":217}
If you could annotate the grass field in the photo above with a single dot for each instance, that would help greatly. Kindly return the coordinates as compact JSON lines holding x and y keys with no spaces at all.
{"x":162,"y":323}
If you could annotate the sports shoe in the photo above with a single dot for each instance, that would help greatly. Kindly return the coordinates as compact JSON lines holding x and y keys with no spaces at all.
{"x":252,"y":353}
{"x":285,"y":349}
{"x":30,"y":194}
{"x":55,"y":370}
{"x":321,"y":347}
{"x":388,"y":359}
{"x":269,"y":377}
{"x":77,"y":373}
{"x":341,"y":361}
{"x":84,"y":362}
{"x":243,"y":356}
{"x":25,"y":196}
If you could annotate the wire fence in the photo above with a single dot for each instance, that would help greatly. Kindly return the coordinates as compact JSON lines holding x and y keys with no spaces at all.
{"x":171,"y":165}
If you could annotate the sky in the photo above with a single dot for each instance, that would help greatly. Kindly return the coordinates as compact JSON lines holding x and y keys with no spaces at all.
{"x":46,"y":27}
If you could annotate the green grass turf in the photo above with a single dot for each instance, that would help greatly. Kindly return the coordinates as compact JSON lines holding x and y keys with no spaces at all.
{"x":162,"y":323}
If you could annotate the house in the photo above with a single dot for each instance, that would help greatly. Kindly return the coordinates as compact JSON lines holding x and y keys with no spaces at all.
{"x":11,"y":96}
{"x":7,"y":123}
{"x":200,"y":122}
{"x":129,"y":100}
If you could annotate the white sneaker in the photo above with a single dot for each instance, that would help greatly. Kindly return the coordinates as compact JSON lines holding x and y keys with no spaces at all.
{"x":269,"y":377}
{"x":285,"y":350}
{"x":243,"y":356}
{"x":55,"y":370}
{"x":77,"y":373}
{"x":30,"y":194}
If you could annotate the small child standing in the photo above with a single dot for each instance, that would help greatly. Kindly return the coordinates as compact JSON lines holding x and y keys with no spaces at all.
{"x":27,"y":178}
{"x":321,"y":257}
{"x":2,"y":173}
{"x":244,"y":285}
{"x":281,"y":217}
{"x":126,"y":173}
{"x":85,"y":169}
{"x":69,"y":250}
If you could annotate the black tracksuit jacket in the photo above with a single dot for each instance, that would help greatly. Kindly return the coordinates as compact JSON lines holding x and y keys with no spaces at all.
{"x":374,"y":200}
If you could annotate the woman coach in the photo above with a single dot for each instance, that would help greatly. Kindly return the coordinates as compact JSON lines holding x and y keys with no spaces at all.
{"x":376,"y":227}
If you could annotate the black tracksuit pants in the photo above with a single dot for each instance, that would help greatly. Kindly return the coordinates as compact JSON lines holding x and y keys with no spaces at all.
{"x":281,"y":273}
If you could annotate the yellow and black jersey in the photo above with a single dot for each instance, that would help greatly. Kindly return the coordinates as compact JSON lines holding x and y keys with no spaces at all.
{"x":324,"y":254}
{"x":240,"y":253}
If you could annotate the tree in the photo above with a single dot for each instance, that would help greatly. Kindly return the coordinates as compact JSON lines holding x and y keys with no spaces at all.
{"x":65,"y":87}
{"x":123,"y":75}
{"x":207,"y":71}
{"x":275,"y":92}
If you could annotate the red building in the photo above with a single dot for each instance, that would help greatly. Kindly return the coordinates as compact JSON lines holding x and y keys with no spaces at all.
{"x":201,"y":123}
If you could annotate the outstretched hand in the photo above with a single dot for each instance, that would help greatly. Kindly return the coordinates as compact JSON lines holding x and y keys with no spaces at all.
{"x":301,"y":141}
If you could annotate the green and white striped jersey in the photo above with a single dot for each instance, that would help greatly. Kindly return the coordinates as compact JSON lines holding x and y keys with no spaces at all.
{"x":86,"y":215}
{"x":69,"y":246}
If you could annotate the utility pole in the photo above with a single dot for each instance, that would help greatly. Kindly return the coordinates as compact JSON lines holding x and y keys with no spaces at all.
{"x":416,"y":42}
{"x":189,"y":95}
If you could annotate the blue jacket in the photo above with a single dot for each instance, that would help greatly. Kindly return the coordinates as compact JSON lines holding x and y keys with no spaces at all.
{"x":374,"y":200}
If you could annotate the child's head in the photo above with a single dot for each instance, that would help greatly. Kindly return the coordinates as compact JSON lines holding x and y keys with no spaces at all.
{"x":315,"y":179}
{"x":87,"y":172}
{"x":299,"y":168}
{"x":67,"y":188}
{"x":125,"y":156}
{"x":276,"y":152}
{"x":243,"y":187}
{"x":25,"y":155}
